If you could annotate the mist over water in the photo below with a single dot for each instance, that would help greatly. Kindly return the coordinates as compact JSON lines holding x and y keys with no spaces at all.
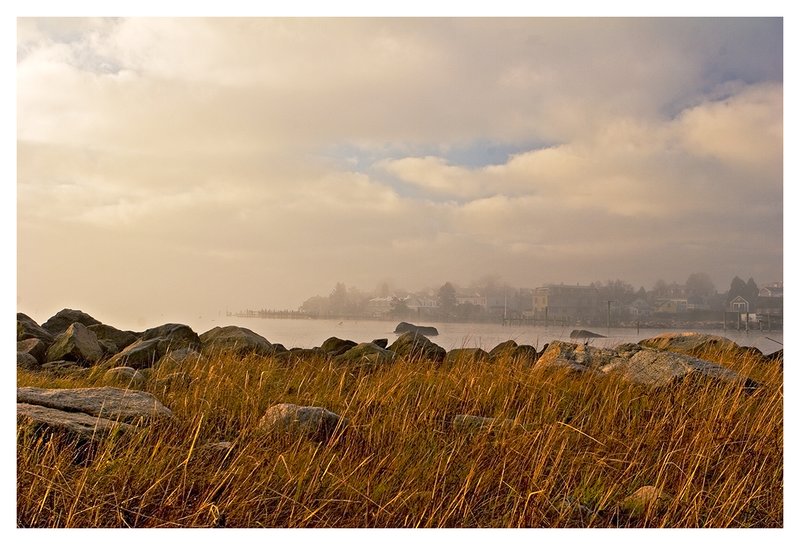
{"x":308,"y":333}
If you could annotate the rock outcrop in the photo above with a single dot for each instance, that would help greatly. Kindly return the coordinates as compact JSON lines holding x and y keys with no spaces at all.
{"x":234,"y":340}
{"x":405,"y":327}
{"x":414,"y":346}
{"x":109,"y":334}
{"x":27,"y":362}
{"x":313,"y":422}
{"x":117,"y":404}
{"x":637,"y":364}
{"x":27,"y":328}
{"x":468,"y":355}
{"x":35,"y":347}
{"x":76,"y":344}
{"x":584,"y":334}
{"x":140,"y":355}
{"x":64,"y":318}
{"x":365,"y":354}
{"x":334,"y":346}
{"x":173,"y":337}
{"x":77,"y":423}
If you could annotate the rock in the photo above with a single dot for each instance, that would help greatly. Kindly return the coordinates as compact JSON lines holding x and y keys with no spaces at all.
{"x":314,"y":422}
{"x":62,"y":368}
{"x":335,"y":346}
{"x":297,"y":354}
{"x":182,"y":358}
{"x":503,"y":349}
{"x":383,"y":343}
{"x":661,"y":368}
{"x":776,"y":356}
{"x":235,"y":340}
{"x":405,"y":327}
{"x":35,"y":347}
{"x":584,"y":334}
{"x":27,"y":328}
{"x":278,"y":348}
{"x":59,"y":323}
{"x":510,"y":350}
{"x":693,"y":344}
{"x":78,"y":423}
{"x":470,"y":423}
{"x":128,"y":375}
{"x":109,"y":348}
{"x":414,"y":346}
{"x":468,"y":355}
{"x":27,"y":361}
{"x":643,"y":499}
{"x":119,"y":339}
{"x":173,"y":337}
{"x":76,"y":344}
{"x":113,"y":403}
{"x":636,"y":364}
{"x":365,"y":354}
{"x":140,"y":355}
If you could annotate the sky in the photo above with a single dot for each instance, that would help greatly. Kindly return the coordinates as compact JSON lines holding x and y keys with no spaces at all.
{"x":175,"y":167}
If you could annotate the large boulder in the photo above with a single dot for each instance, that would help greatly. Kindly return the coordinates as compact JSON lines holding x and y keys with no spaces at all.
{"x":468,"y":355}
{"x":76,"y":423}
{"x":414,"y":346}
{"x":27,"y":362}
{"x":173,"y":337}
{"x":27,"y":328}
{"x":314,"y":422}
{"x":130,"y":406}
{"x":637,"y":364}
{"x":35,"y":347}
{"x":64,"y":318}
{"x":109,"y":334}
{"x":405,"y":327}
{"x":234,"y":340}
{"x":76,"y":344}
{"x":125,"y":375}
{"x":584,"y":334}
{"x":140,"y":355}
{"x":335,"y":346}
{"x":693,"y":344}
{"x":365,"y":354}
{"x":511,"y":351}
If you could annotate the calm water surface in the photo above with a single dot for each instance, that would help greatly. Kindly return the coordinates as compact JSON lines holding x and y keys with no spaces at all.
{"x":310,"y":333}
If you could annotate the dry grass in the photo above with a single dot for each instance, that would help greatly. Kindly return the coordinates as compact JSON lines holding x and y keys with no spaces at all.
{"x":586,"y":443}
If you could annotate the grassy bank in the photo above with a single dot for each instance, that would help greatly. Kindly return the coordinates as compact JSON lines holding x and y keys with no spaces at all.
{"x":584,"y":445}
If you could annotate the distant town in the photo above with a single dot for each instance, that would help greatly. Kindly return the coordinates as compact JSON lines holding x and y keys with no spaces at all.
{"x":615,"y":303}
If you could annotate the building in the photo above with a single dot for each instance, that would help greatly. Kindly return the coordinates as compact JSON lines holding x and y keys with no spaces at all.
{"x":379,"y":307}
{"x":671,"y":306}
{"x":739,"y":304}
{"x":471,"y":298}
{"x":564,"y":302}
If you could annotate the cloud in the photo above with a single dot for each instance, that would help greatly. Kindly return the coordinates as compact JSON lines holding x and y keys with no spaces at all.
{"x":198,"y":152}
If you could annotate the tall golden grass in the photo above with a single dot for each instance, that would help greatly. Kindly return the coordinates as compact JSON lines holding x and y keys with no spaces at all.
{"x":585,"y":443}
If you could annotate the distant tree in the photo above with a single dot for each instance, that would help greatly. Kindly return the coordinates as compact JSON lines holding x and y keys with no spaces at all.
{"x":383,"y":289}
{"x":751,"y":291}
{"x":316,"y":306}
{"x":641,"y":294}
{"x":738,"y":287}
{"x":447,"y":298}
{"x":615,"y":290}
{"x":700,"y":285}
{"x":338,"y":299}
{"x":660,"y":288}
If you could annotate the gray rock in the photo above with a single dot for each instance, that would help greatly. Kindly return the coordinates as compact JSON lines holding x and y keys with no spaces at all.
{"x":383,"y":343}
{"x":81,"y":424}
{"x":182,"y":358}
{"x":405,"y":327}
{"x":314,"y":422}
{"x":76,"y":344}
{"x":27,"y":328}
{"x":504,"y":349}
{"x":637,"y":365}
{"x":120,"y":339}
{"x":140,"y":355}
{"x":584,"y":334}
{"x":173,"y":337}
{"x":27,"y":362}
{"x":35,"y":347}
{"x":128,"y":375}
{"x":414,"y":346}
{"x":335,"y":346}
{"x":59,"y":323}
{"x":470,"y":355}
{"x":365,"y":354}
{"x":234,"y":340}
{"x":106,"y":402}
{"x":695,"y":344}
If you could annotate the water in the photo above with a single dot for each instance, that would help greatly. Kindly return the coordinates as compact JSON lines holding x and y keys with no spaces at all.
{"x":307,"y":333}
